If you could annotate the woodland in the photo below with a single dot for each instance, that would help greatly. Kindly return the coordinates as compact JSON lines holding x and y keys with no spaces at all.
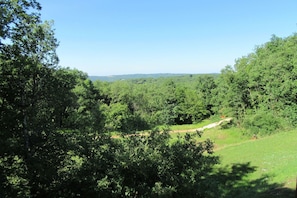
{"x":57,"y":126}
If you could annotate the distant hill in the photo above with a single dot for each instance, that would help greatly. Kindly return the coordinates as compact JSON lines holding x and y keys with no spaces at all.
{"x":135,"y":76}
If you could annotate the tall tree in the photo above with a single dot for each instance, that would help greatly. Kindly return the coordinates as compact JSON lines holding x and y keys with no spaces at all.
{"x":27,"y":62}
{"x":260,"y":90}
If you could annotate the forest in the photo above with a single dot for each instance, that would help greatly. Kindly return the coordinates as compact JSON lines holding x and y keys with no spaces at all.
{"x":57,"y":127}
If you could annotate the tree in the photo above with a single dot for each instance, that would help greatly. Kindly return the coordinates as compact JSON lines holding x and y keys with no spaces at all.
{"x":205,"y":87}
{"x":261,"y":87}
{"x":153,"y":167}
{"x":27,"y":63}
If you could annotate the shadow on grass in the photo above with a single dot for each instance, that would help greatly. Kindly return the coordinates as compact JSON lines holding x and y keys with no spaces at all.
{"x":233,"y":182}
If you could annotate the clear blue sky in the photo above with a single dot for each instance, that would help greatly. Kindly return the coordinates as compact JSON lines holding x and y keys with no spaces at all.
{"x":109,"y":37}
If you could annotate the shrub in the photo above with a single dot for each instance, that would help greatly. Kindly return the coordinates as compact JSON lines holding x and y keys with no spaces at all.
{"x":262,"y":122}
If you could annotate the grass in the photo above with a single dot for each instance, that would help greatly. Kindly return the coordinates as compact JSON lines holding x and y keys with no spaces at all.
{"x":274,"y":158}
{"x":176,"y":127}
{"x":221,"y":138}
{"x":192,"y":126}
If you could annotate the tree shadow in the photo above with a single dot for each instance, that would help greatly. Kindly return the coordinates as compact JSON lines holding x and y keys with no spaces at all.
{"x":232,"y":181}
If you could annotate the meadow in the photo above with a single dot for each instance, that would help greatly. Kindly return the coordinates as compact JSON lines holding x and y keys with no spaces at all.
{"x":269,"y":159}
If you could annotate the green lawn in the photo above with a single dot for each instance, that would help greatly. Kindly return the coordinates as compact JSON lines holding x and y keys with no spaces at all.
{"x":221,"y":138}
{"x":274,"y":158}
{"x":194,"y":126}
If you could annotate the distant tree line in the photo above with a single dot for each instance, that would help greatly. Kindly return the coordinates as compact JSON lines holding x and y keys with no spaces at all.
{"x":131,"y":105}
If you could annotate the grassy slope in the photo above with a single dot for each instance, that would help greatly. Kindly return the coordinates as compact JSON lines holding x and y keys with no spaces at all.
{"x":221,"y":138}
{"x":275,"y":156}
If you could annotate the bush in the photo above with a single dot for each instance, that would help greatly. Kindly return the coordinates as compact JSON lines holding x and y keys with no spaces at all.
{"x":262,"y":122}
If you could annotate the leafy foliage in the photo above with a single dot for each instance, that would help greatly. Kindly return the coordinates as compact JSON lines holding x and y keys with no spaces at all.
{"x":150,"y":166}
{"x":261,"y":122}
{"x":260,"y":91}
{"x":54,"y":120}
{"x":146,"y":103}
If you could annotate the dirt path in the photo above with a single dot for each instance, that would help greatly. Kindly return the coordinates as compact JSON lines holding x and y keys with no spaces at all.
{"x":209,"y":126}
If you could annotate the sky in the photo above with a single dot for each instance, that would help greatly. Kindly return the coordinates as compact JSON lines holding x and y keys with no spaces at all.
{"x":113,"y":37}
